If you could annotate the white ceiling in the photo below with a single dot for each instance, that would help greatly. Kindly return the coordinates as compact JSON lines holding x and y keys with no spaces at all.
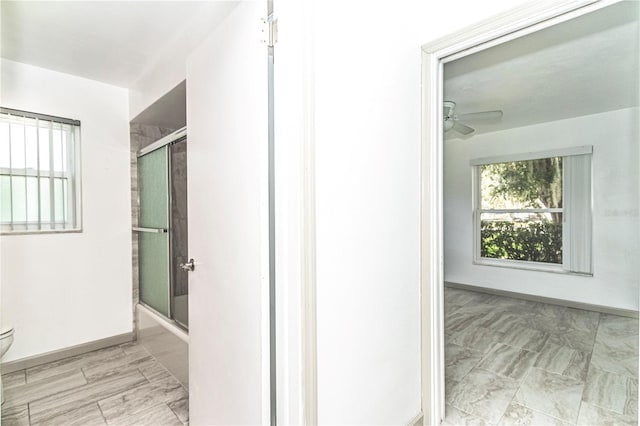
{"x":584,"y":66}
{"x":108,"y":41}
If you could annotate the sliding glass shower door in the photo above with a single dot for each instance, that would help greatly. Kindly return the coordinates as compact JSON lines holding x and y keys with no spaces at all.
{"x":153,"y":235}
{"x":163,"y":229}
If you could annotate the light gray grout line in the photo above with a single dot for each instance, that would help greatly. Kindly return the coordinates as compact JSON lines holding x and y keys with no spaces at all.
{"x":475,"y":366}
{"x":85,"y":384}
{"x":548,"y":415}
{"x":479,"y":368}
{"x":50,"y":395}
{"x":187,"y":398}
{"x":468,"y":414}
{"x":516,"y":392}
{"x":590,"y":364}
{"x":484,"y":357}
{"x":130,"y":388}
{"x":174,"y":413}
{"x":127,"y":416}
{"x":531,"y":368}
{"x":145,"y":377}
{"x":101,"y":412}
{"x":29,"y":412}
{"x":510,"y":402}
{"x":24,"y":376}
{"x":167,"y":370}
{"x":633,"y":377}
{"x":84,"y":375}
{"x":109,"y":395}
{"x":614,"y":373}
{"x":609,"y":410}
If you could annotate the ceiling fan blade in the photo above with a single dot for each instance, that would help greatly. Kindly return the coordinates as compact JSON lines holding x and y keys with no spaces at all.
{"x":484,"y":115}
{"x":448,"y":107}
{"x":461,"y":128}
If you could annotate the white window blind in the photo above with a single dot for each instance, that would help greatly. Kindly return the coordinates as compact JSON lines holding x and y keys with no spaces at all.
{"x":577,"y":209}
{"x":39,"y":173}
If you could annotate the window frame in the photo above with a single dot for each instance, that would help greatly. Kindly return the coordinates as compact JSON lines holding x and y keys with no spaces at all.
{"x":477,"y":211}
{"x":72,"y":175}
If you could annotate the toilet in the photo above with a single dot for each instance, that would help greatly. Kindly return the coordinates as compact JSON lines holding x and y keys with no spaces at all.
{"x":6,"y":339}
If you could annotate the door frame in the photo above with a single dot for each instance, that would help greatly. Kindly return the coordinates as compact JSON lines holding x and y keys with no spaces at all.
{"x":512,"y":24}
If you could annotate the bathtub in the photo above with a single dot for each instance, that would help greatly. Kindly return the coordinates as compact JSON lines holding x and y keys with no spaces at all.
{"x":165,"y":340}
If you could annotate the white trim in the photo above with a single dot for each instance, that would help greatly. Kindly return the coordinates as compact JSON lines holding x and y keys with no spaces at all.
{"x":528,"y":266}
{"x":521,"y":264}
{"x":309,"y":386}
{"x":526,"y":156}
{"x":169,"y":325}
{"x":178,"y":134}
{"x":525,"y":19}
{"x":549,"y":300}
{"x":58,"y":354}
{"x":507,"y":211}
{"x":417,"y":420}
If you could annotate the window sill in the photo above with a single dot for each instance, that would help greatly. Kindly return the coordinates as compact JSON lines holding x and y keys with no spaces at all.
{"x":528,"y":266}
{"x":40,"y":232}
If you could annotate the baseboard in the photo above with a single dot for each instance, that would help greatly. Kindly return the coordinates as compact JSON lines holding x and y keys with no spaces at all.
{"x":571,"y":304}
{"x":417,"y":420}
{"x":32,"y":361}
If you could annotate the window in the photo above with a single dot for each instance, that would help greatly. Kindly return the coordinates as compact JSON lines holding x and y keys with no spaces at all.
{"x":39,"y":173}
{"x":533,"y":211}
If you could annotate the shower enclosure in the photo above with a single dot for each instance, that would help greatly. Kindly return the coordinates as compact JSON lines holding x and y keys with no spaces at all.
{"x":162,"y":227}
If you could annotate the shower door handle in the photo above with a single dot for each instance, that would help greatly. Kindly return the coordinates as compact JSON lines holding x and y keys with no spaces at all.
{"x":152,"y":230}
{"x":189,"y":266}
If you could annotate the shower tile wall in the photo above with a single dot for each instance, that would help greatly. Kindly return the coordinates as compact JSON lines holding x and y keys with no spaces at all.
{"x":179,"y":215}
{"x":141,"y":135}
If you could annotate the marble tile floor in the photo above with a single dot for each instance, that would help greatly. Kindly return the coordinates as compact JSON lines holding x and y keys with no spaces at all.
{"x":120,"y":385}
{"x":516,"y":362}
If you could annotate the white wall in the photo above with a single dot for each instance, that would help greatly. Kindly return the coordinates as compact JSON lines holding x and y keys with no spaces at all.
{"x":168,"y":68}
{"x":367,"y":142}
{"x":65,"y":289}
{"x":616,"y":224}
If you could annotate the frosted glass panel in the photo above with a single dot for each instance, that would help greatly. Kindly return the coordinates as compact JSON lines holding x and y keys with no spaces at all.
{"x":154,"y":213}
{"x":154,"y":270}
{"x":153,"y":189}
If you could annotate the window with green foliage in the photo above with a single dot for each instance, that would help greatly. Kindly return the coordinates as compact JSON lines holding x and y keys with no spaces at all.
{"x":521,"y":215}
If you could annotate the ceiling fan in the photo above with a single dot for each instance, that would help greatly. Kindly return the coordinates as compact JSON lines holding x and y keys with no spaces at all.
{"x":453,"y":121}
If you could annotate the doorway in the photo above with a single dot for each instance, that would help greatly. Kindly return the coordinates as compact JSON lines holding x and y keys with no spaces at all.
{"x":466,"y":273}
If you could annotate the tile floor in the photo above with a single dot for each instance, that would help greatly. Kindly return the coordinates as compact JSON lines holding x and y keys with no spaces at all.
{"x":120,"y":385}
{"x":517,"y":362}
